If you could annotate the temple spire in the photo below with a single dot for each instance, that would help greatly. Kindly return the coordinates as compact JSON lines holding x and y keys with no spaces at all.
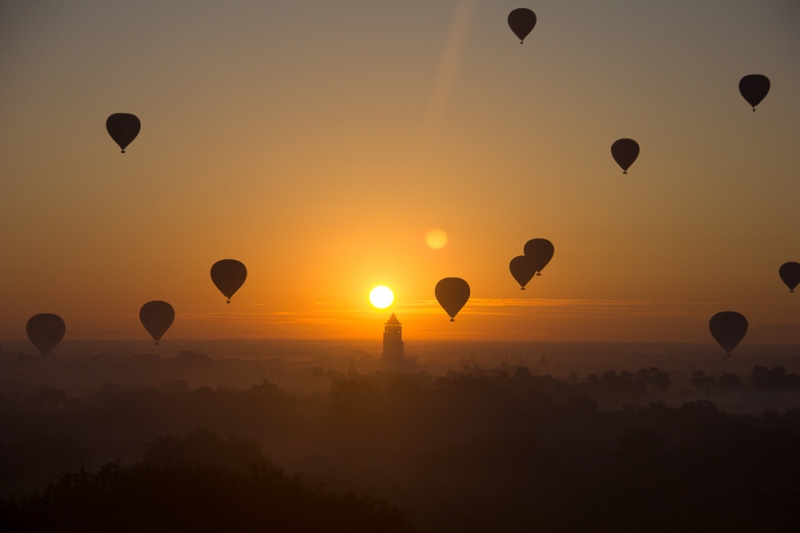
{"x":393,"y":340}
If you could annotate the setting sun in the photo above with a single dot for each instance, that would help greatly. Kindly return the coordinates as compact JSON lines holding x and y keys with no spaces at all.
{"x":381,"y":296}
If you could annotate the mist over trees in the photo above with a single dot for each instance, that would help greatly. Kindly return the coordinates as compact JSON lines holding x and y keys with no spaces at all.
{"x":502,"y":448}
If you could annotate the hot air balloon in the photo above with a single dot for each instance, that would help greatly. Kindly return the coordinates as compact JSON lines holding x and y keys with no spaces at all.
{"x":540,"y":252}
{"x":123,"y":128}
{"x":754,"y":87}
{"x":228,"y":275}
{"x":45,"y":331}
{"x":790,"y":274}
{"x":452,"y":294}
{"x":728,"y":328}
{"x":156,"y":317}
{"x":521,"y":21}
{"x":625,"y":152}
{"x":523,"y":269}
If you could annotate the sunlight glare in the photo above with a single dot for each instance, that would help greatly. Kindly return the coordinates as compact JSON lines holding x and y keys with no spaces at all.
{"x":381,"y":296}
{"x":436,"y":239}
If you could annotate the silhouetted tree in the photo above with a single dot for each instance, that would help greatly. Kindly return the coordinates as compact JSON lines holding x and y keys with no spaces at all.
{"x":357,"y":402}
{"x":41,"y":455}
{"x":699,"y":408}
{"x":318,"y":373}
{"x":49,"y":399}
{"x":187,"y":357}
{"x":205,"y":448}
{"x":335,"y":375}
{"x":582,"y":406}
{"x":145,"y":497}
{"x":730,"y":383}
{"x":175,"y":385}
{"x":765,"y":379}
{"x":640,"y":443}
{"x":702,"y":382}
{"x":610,"y":383}
{"x":653,"y":376}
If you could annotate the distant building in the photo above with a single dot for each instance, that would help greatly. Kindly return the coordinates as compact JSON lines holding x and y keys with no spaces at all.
{"x":393,"y":340}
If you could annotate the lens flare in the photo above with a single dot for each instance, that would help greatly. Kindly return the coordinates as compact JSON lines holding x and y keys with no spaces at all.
{"x":436,"y":239}
{"x":381,"y":296}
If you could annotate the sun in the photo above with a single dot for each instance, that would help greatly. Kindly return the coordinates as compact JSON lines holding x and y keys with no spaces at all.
{"x":381,"y":296}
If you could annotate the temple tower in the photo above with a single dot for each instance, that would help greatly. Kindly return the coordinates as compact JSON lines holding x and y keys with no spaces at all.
{"x":393,"y":339}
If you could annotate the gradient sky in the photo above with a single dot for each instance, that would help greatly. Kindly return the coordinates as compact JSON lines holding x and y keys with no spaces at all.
{"x":319,"y":141}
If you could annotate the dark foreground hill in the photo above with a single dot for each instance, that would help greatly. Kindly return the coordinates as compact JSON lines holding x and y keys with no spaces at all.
{"x":195,"y":496}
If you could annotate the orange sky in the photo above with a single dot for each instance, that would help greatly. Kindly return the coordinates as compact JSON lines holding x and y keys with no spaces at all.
{"x":318,"y":143}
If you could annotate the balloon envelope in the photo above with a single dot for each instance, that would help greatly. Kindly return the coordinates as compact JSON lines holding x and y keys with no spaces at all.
{"x":790,"y":274}
{"x":452,"y":294}
{"x":45,"y":331}
{"x":522,"y":269}
{"x":754,"y":87}
{"x":156,"y":317}
{"x":728,"y":328}
{"x":540,"y":252}
{"x":228,"y":275}
{"x":123,"y":128}
{"x":625,"y":152}
{"x":521,"y":21}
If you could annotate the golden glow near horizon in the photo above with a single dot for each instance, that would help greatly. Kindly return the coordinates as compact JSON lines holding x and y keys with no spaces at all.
{"x":381,"y":296}
{"x":331,"y":152}
{"x":436,"y":239}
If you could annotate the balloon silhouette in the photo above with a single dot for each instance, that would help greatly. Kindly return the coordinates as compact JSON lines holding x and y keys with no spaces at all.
{"x":521,"y":21}
{"x":523,"y":269}
{"x":45,"y":331}
{"x":754,"y":87}
{"x":625,"y":152}
{"x":728,"y":328}
{"x":156,"y":317}
{"x":540,"y":252}
{"x":452,"y":294}
{"x":123,"y":128}
{"x":790,"y":274}
{"x":228,"y":275}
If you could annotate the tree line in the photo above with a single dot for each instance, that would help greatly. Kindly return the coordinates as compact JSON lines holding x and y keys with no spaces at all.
{"x":500,"y":449}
